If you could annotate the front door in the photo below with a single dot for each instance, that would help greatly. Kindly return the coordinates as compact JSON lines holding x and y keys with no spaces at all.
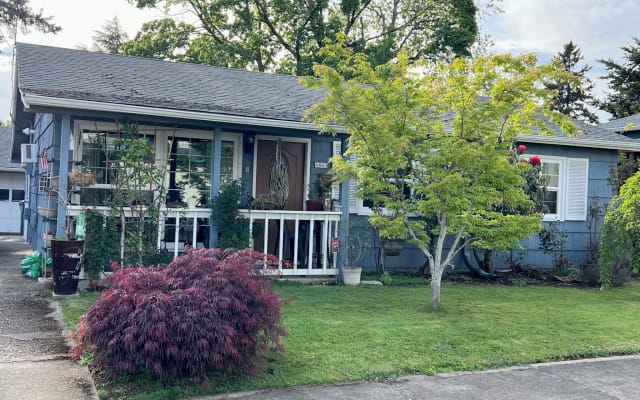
{"x":280,"y":173}
{"x":280,"y":167}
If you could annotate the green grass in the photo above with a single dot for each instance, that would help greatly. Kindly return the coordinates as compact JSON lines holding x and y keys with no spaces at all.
{"x":339,"y":334}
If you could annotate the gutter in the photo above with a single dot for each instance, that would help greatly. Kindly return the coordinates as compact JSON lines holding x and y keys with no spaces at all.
{"x":582,"y":141}
{"x":30,"y":100}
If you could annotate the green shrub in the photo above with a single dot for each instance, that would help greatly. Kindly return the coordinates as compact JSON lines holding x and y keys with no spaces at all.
{"x":616,"y":247}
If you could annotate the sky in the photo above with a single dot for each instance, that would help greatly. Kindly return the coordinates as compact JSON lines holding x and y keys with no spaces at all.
{"x":599,"y":28}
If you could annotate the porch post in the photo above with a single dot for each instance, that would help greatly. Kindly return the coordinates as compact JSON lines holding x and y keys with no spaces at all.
{"x":215,"y":180}
{"x":63,"y":168}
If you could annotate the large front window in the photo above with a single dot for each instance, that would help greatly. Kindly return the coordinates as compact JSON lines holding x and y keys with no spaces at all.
{"x":186,"y":156}
{"x":100,"y":152}
{"x":189,"y":171}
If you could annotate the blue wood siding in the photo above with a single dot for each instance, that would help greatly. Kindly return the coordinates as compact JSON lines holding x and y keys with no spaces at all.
{"x":600,"y":163}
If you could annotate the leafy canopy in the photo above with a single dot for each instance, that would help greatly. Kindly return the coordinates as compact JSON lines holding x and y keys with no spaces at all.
{"x":436,"y":141}
{"x":287,"y":36}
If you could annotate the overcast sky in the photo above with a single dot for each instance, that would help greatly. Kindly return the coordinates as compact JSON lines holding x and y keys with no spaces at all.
{"x":599,"y":27}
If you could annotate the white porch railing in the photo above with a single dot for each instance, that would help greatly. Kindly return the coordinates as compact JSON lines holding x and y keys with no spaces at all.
{"x":302,"y":242}
{"x":312,"y":232}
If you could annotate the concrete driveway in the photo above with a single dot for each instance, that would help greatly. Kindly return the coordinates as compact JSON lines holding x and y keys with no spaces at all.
{"x":33,"y":360}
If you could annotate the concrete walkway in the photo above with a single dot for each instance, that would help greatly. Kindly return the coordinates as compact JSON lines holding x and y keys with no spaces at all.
{"x":33,"y":360}
{"x":601,"y":379}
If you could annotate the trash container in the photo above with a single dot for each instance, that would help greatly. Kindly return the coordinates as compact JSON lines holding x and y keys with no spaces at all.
{"x":66,"y":256}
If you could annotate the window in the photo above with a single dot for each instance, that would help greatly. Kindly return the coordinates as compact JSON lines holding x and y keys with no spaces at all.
{"x":189,"y":172}
{"x":4,"y":194}
{"x":100,"y":150}
{"x":187,"y":155}
{"x":551,"y":178}
{"x":566,"y":181}
{"x":17,"y":195}
{"x":565,"y":198}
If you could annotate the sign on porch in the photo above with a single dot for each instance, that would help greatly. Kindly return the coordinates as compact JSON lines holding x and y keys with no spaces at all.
{"x":335,"y":244}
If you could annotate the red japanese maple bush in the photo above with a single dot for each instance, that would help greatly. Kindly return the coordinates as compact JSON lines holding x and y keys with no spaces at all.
{"x":208,"y":310}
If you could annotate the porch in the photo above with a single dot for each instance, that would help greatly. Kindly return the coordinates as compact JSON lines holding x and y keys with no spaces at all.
{"x":302,"y":240}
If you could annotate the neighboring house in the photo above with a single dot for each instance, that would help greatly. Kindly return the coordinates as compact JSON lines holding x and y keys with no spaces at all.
{"x":234,"y":124}
{"x":12,"y":183}
{"x":627,"y":126}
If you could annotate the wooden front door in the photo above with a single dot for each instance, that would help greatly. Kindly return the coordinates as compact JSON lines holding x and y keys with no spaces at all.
{"x":292,"y":163}
{"x":293,"y":157}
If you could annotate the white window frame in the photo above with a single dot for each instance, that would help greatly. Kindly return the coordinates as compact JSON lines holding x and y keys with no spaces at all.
{"x":357,"y":206}
{"x":560,"y":189}
{"x":161,"y":136}
{"x":564,"y":183}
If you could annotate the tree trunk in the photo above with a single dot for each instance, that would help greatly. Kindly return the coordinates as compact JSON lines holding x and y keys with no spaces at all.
{"x":436,"y":279}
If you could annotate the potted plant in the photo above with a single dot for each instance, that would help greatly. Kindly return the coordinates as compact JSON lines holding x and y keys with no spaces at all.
{"x":325,"y":182}
{"x":358,"y":240}
{"x":81,"y":178}
{"x":315,"y":201}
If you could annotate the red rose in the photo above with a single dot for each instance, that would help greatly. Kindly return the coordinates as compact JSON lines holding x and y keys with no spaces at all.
{"x":535,"y":161}
{"x":521,"y":149}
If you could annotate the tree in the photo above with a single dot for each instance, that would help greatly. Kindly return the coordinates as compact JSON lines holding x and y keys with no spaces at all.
{"x":446,"y":133}
{"x":17,"y":12}
{"x":162,"y":38}
{"x":624,"y":82}
{"x":572,"y":98}
{"x":110,"y":38}
{"x":287,"y":35}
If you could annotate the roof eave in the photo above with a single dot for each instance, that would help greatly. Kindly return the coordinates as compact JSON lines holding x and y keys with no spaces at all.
{"x":581,"y":142}
{"x":32,"y":100}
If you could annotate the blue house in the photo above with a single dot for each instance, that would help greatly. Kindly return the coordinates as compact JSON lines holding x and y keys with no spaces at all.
{"x":226,"y":124}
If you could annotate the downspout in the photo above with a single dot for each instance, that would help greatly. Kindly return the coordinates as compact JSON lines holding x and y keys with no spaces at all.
{"x":63,"y":167}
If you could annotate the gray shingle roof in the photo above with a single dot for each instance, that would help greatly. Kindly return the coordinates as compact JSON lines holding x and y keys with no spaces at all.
{"x":84,"y":75}
{"x":618,"y":125}
{"x":5,"y":148}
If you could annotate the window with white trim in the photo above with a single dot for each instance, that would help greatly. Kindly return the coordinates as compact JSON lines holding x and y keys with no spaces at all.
{"x":565,"y":198}
{"x":566,"y":183}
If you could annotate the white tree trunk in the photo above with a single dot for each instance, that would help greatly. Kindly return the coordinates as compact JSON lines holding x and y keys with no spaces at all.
{"x":438,"y":261}
{"x":436,"y":280}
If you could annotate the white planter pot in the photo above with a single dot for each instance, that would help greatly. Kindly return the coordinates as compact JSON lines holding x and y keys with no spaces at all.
{"x":351,"y":276}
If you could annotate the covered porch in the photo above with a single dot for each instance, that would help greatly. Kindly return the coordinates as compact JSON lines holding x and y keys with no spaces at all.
{"x":301,"y":240}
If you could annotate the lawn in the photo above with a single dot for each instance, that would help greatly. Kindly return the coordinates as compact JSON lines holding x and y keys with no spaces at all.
{"x":339,"y":334}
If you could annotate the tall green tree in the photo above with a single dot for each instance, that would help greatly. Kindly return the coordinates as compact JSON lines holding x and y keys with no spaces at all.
{"x":162,"y":38}
{"x":445,"y":132}
{"x":287,"y":35}
{"x":572,"y":98}
{"x":18,"y":12}
{"x":110,"y":38}
{"x":624,"y":83}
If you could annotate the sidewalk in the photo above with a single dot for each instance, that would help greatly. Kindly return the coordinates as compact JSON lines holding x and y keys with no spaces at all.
{"x":33,"y":360}
{"x":601,"y":379}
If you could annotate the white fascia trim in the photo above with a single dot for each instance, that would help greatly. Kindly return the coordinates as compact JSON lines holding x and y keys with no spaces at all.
{"x":30,"y":100}
{"x":582,"y":142}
